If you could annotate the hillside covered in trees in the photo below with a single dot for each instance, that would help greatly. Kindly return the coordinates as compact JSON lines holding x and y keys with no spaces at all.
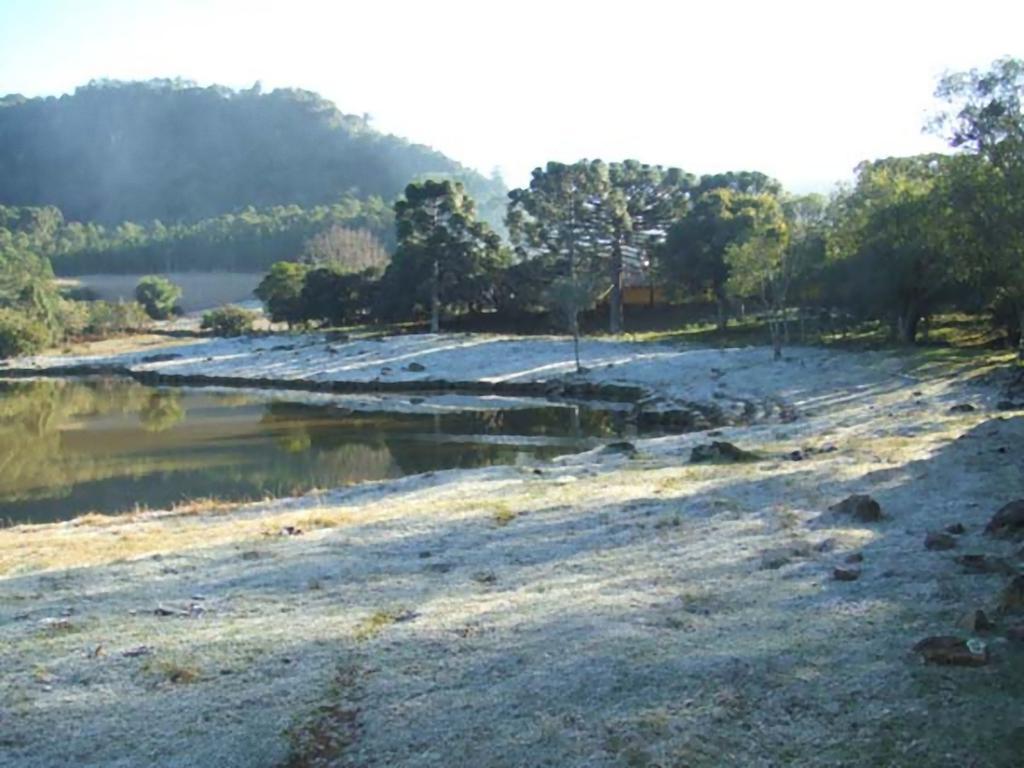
{"x":171,"y":151}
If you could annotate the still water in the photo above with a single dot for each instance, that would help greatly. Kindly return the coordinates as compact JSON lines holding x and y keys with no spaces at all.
{"x":68,"y":447}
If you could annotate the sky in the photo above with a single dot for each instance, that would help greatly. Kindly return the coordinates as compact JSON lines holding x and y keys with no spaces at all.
{"x":802,"y":91}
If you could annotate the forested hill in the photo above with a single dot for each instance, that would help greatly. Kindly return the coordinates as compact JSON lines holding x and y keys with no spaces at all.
{"x":171,"y":151}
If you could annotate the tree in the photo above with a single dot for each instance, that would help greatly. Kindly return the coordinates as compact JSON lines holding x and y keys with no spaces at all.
{"x":281,"y":292}
{"x":642,"y":202}
{"x":763,"y":264}
{"x":560,"y":222}
{"x":158,"y":296}
{"x":445,"y":259}
{"x":346,"y":250}
{"x":693,"y":254}
{"x":893,"y":235}
{"x":986,"y":120}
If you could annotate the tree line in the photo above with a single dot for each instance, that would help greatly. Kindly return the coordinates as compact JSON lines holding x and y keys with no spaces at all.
{"x":909,"y":237}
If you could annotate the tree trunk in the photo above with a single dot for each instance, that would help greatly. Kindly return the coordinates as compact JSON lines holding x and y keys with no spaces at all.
{"x":1020,"y":341}
{"x":576,"y":340}
{"x":906,"y":326}
{"x":435,"y":300}
{"x":723,"y":311}
{"x":615,"y":298}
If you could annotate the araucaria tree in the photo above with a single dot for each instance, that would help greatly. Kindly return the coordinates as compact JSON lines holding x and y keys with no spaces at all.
{"x":446,"y":259}
{"x":559,"y":222}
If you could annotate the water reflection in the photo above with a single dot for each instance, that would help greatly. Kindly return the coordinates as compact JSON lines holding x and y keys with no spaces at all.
{"x":73,"y":446}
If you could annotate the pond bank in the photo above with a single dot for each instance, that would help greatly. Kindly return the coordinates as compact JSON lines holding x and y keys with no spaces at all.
{"x":602,"y":609}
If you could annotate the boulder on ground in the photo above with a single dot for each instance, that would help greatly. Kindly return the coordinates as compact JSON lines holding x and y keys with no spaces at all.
{"x":719,"y":451}
{"x":1008,"y":522}
{"x":846,"y":574}
{"x":957,"y":529}
{"x":976,"y":621}
{"x":939,"y":541}
{"x":620,"y":447}
{"x":1012,"y":599}
{"x":415,"y":367}
{"x":975,"y":563}
{"x":962,"y":408}
{"x":772,"y":559}
{"x":860,"y":506}
{"x":954,"y":651}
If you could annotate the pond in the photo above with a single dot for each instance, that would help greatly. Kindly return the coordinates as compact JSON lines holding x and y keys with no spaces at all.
{"x":73,"y":446}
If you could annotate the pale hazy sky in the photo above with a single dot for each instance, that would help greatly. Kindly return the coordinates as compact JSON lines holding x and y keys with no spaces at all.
{"x":800,"y":90}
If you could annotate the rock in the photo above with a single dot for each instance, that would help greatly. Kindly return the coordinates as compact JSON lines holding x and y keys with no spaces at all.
{"x":484,"y":577}
{"x":1008,"y":522}
{"x":985,"y":564}
{"x":1012,"y":599}
{"x":773,"y":559}
{"x":939,"y":541}
{"x":860,"y":506}
{"x":825,"y":545}
{"x":719,"y":451}
{"x":416,"y":367}
{"x":953,"y":651}
{"x":1016,"y":633}
{"x":621,"y":447}
{"x":962,"y":408}
{"x":139,"y":650}
{"x":856,"y":557}
{"x":795,"y":456}
{"x":976,"y":621}
{"x":957,"y":529}
{"x":163,"y":357}
{"x":846,"y":574}
{"x":289,"y":530}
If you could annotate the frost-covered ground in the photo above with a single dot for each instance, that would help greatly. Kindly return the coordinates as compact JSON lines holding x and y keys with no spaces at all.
{"x":599,"y":610}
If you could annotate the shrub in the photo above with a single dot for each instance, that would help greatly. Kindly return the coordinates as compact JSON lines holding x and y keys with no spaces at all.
{"x":21,"y":334}
{"x":281,"y":292}
{"x":158,"y":296}
{"x":228,"y":321}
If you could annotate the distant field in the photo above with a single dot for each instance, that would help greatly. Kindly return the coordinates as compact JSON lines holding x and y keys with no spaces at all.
{"x":202,"y":290}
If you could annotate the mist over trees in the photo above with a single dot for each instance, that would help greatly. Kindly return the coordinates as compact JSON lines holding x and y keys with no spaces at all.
{"x":171,"y":151}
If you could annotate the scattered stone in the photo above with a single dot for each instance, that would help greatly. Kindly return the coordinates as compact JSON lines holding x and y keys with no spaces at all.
{"x":289,"y":530}
{"x":825,"y":545}
{"x":719,"y":451}
{"x":54,"y":625}
{"x":860,"y":506}
{"x":1008,"y":522}
{"x":939,"y":541}
{"x":976,"y":621}
{"x":484,"y":577}
{"x":163,"y":611}
{"x":985,"y":564}
{"x":251,"y":554}
{"x":386,"y":371}
{"x":439,"y":567}
{"x":957,"y":529}
{"x":163,"y":357}
{"x":846,"y":574}
{"x":856,"y":557}
{"x":962,"y":408}
{"x":416,"y":367}
{"x":1012,"y":599}
{"x":424,"y":553}
{"x":795,"y":455}
{"x":139,"y":650}
{"x":954,"y":651}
